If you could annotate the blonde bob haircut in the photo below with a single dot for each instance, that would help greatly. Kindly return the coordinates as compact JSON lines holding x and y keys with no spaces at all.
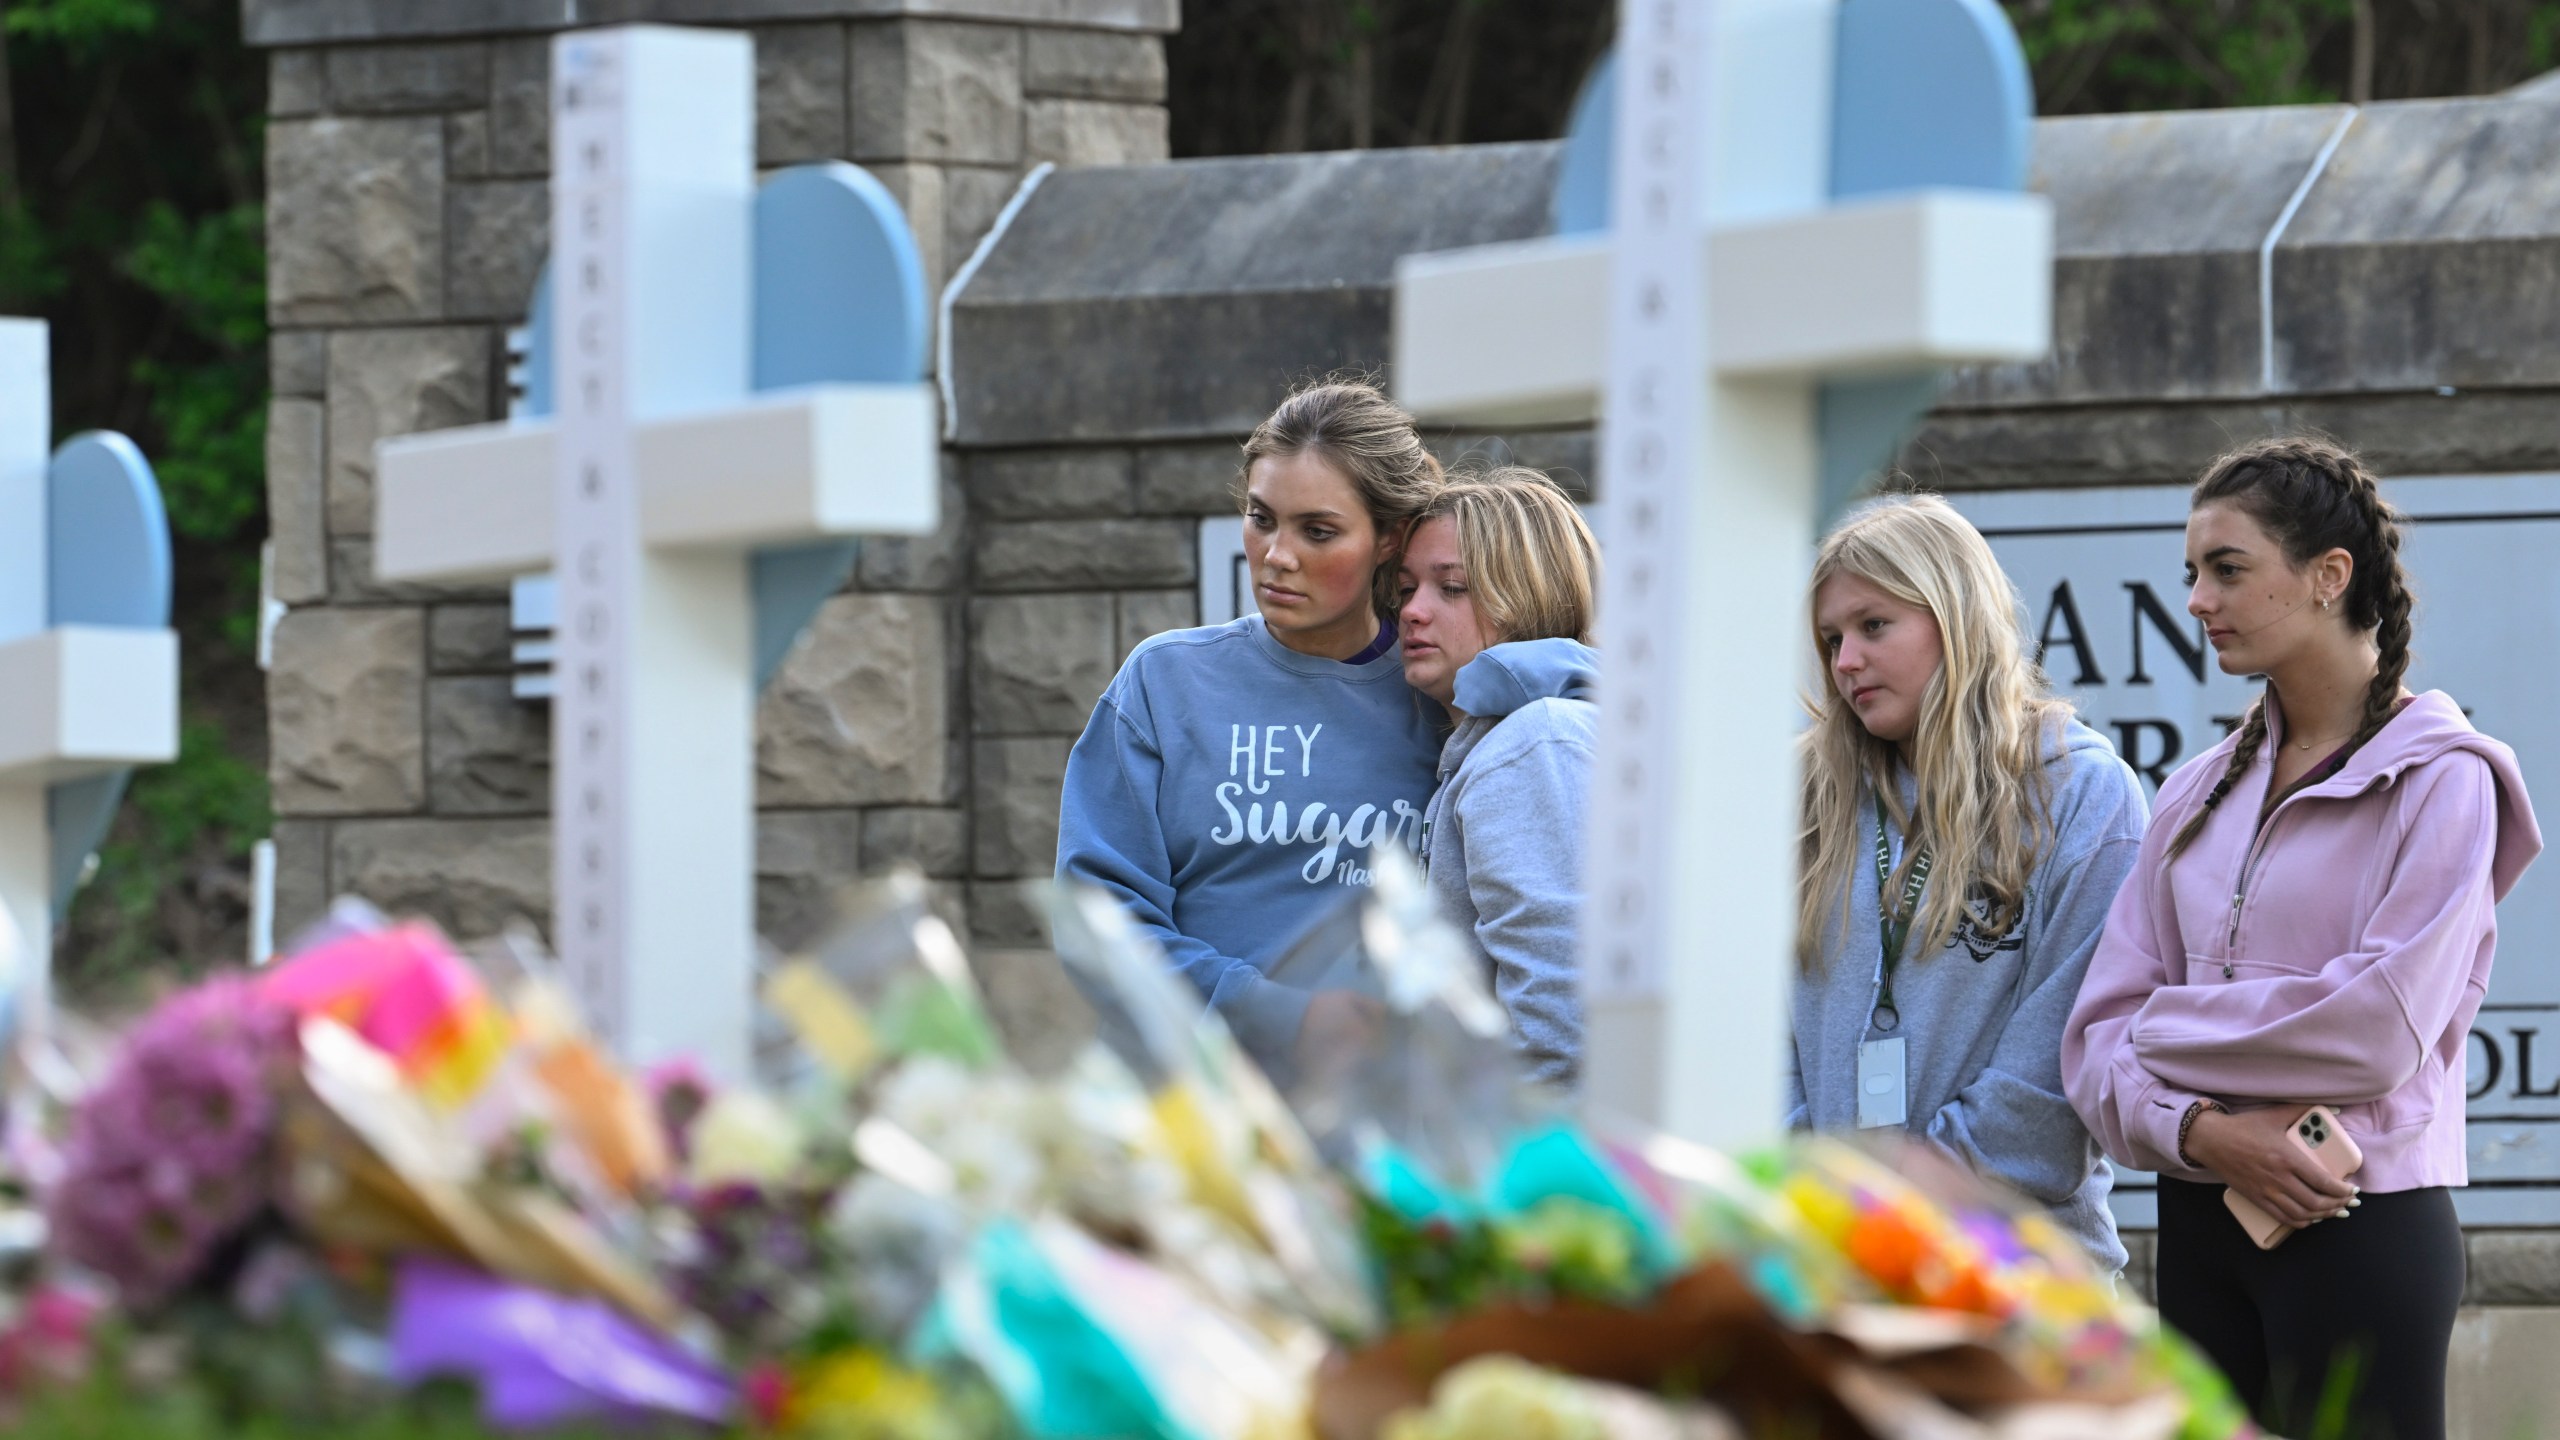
{"x":1977,"y":754}
{"x":1532,"y":566}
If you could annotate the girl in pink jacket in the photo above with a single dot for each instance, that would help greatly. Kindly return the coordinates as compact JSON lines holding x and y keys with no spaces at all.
{"x":2311,"y":921}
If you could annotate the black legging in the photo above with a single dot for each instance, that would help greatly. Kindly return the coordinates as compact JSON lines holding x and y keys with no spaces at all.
{"x":2357,"y":1311}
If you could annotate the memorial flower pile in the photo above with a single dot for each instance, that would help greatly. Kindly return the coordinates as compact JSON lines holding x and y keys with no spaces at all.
{"x":383,"y":1170}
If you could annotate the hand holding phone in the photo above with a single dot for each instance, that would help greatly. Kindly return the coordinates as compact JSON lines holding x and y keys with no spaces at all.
{"x":2303,"y":1168}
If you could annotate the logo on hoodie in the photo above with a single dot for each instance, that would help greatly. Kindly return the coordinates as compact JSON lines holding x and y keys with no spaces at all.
{"x":1973,"y":932}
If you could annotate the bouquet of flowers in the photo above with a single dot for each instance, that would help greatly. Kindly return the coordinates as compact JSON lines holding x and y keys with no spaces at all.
{"x":380,"y":1163}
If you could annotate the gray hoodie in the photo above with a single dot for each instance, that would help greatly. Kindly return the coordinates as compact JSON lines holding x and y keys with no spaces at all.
{"x":1982,"y":1019}
{"x":1502,"y":838}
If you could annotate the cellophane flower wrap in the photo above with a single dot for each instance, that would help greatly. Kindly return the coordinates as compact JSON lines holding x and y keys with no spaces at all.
{"x":173,"y":1154}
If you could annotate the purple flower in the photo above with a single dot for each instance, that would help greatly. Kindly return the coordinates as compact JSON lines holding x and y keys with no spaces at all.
{"x":169,"y":1156}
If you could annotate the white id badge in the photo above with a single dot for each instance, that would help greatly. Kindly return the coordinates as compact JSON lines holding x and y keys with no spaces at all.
{"x":1882,"y":1097}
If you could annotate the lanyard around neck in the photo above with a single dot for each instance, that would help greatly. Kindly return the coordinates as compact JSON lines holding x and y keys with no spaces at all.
{"x":1894,"y":922}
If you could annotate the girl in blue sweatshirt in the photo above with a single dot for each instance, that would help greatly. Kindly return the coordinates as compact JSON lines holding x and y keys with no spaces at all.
{"x":1236,"y":780}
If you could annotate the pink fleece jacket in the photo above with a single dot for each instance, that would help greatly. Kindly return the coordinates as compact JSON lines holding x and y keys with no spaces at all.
{"x":2336,"y":956}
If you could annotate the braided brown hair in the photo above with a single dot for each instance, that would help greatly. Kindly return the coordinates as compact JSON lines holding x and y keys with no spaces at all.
{"x":2312,"y":496}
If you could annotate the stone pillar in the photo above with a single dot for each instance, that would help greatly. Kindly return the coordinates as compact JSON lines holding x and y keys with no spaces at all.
{"x":408,"y":154}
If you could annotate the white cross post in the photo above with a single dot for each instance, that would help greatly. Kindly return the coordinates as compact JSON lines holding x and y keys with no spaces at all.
{"x":658,"y":476}
{"x":1700,"y":327}
{"x":75,"y":700}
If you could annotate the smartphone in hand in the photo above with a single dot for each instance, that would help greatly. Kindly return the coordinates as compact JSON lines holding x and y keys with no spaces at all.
{"x":2320,"y":1136}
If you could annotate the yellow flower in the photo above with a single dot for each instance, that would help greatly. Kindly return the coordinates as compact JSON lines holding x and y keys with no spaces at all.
{"x":861,"y":1394}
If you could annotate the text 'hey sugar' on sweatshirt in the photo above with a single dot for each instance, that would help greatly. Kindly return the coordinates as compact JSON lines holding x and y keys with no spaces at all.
{"x":1505,"y":835}
{"x":1982,"y":1019}
{"x":2335,"y":955}
{"x":1232,"y":793}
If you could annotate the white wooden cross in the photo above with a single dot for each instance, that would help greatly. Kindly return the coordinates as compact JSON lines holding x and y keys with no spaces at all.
{"x":75,"y":700}
{"x":1699,"y":328}
{"x":646,"y":493}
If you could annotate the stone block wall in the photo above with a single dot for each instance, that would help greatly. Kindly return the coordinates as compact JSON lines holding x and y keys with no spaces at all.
{"x":408,"y":152}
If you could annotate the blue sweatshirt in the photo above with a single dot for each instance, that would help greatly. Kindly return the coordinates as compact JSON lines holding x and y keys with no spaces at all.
{"x":1231,"y":791}
{"x":1505,"y":835}
{"x":1982,"y":1019}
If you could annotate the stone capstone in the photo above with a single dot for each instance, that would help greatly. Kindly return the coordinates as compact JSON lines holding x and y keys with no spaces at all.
{"x":355,"y":220}
{"x":861,"y":712}
{"x":1038,"y":662}
{"x":344,"y":701}
{"x":1251,"y":270}
{"x":311,"y":22}
{"x":2427,"y":255}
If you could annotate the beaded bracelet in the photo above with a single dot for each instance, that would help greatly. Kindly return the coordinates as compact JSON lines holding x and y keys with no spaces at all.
{"x":2187,"y":1122}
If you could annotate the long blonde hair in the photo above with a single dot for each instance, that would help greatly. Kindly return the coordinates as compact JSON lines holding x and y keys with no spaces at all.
{"x":1532,"y":566}
{"x":1978,"y":752}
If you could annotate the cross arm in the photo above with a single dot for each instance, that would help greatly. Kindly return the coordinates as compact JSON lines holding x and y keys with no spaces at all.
{"x":85,"y":699}
{"x":476,"y":503}
{"x":1517,"y":333}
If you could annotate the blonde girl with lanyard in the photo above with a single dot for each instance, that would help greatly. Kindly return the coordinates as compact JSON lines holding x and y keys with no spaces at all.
{"x":2313,"y":922}
{"x":1962,"y":838}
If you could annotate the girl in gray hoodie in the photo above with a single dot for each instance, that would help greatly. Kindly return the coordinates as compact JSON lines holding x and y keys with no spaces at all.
{"x":1962,"y":839}
{"x":1496,"y":584}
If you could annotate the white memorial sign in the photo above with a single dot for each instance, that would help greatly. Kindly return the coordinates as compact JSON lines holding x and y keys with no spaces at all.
{"x":2100,"y":572}
{"x":659,"y":476}
{"x":1731,"y":286}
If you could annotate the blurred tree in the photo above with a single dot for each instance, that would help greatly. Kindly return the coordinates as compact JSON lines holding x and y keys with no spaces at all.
{"x":1250,"y":76}
{"x":130,"y":142}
